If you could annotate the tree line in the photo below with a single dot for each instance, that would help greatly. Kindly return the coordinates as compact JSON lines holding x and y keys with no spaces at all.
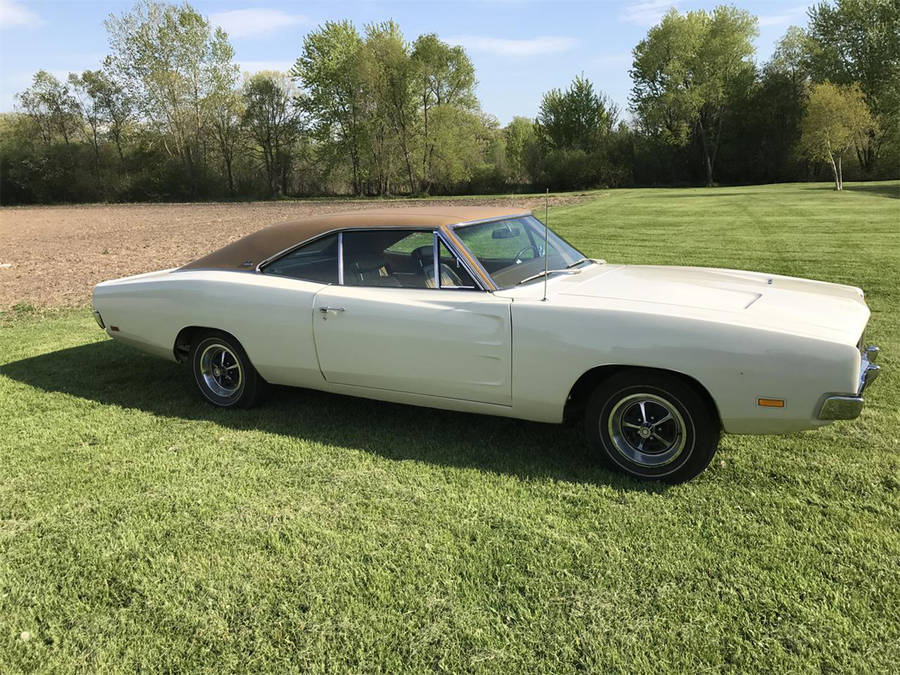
{"x":168,"y":116}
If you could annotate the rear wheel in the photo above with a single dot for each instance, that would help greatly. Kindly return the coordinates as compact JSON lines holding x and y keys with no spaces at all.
{"x":652,"y":426}
{"x":223,"y":372}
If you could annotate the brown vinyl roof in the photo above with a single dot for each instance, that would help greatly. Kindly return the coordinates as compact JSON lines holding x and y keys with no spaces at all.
{"x":274,"y":239}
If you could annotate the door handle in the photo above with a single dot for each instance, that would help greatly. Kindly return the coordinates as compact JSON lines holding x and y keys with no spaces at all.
{"x":325,"y":310}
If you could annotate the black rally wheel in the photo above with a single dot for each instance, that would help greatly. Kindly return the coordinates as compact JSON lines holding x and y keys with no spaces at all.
{"x":223,"y":372}
{"x":652,"y":426}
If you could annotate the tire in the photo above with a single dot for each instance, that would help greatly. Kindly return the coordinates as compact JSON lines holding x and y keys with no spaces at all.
{"x":223,"y":373}
{"x":652,"y":426}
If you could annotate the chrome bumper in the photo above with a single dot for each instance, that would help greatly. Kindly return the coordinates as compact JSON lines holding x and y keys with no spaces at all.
{"x":846,"y":406}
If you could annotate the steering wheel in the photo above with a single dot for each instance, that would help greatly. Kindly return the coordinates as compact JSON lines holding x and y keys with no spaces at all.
{"x":538,"y":251}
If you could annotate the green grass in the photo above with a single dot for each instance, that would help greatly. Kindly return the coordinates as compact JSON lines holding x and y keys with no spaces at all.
{"x":141,"y":528}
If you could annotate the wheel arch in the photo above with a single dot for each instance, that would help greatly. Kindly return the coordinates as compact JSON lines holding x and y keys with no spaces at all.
{"x":187,"y":335}
{"x":581,"y":390}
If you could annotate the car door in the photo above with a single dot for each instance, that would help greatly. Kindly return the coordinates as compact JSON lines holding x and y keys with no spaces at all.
{"x":449,"y":342}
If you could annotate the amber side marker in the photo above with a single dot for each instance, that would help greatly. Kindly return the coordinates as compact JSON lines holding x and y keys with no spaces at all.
{"x":770,"y":402}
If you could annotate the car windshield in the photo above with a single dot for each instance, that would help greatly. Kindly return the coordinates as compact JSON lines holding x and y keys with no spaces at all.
{"x":512,"y":250}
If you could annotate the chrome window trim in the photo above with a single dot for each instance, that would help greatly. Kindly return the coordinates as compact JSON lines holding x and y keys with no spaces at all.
{"x":436,"y":261}
{"x":439,"y":236}
{"x":341,"y":258}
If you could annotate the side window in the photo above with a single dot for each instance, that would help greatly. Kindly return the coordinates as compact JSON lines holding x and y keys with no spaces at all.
{"x":371,"y":259}
{"x":399,"y":259}
{"x":317,"y":261}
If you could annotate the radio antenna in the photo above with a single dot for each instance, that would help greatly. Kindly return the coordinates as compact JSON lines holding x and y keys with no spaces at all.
{"x":546,"y":237}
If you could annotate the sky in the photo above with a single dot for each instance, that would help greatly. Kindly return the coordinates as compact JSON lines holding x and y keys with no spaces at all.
{"x":520,"y":48}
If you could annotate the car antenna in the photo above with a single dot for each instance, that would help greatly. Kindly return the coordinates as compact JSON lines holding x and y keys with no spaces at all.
{"x":546,"y":237}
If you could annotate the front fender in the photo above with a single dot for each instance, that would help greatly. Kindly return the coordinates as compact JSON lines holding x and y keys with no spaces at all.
{"x":554,"y":345}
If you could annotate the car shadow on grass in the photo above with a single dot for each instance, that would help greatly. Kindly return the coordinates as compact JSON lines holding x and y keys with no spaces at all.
{"x":116,"y":375}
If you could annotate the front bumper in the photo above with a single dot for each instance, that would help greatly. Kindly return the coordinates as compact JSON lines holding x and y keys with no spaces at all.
{"x":847,"y":406}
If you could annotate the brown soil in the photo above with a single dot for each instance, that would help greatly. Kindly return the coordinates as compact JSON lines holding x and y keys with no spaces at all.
{"x":51,"y":256}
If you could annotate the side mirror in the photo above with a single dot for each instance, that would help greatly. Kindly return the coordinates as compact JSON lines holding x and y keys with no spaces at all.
{"x":505,"y":233}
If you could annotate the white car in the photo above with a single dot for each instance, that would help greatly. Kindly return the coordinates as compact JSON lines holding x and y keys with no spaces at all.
{"x":484,"y":310}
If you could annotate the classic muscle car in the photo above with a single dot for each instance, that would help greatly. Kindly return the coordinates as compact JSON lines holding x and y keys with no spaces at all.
{"x":485,"y":310}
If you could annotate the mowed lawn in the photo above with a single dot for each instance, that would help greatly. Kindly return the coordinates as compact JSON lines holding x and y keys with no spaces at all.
{"x":141,"y":528}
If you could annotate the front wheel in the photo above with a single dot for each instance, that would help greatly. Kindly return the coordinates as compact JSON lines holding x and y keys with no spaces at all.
{"x":652,"y":426}
{"x":223,"y":372}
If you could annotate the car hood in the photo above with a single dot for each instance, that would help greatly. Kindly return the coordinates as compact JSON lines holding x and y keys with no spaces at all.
{"x":788,"y":304}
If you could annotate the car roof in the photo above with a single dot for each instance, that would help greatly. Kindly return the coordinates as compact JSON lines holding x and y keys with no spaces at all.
{"x":248,"y":252}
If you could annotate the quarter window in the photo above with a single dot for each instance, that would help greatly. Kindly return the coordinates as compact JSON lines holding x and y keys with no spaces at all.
{"x":317,"y":261}
{"x":453,"y":274}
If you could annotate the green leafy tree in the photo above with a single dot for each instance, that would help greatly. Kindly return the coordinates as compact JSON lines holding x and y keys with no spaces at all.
{"x":85,"y":88}
{"x":444,"y":86}
{"x":859,"y":41}
{"x":330,"y":69}
{"x":112,"y":104}
{"x":685,"y":72}
{"x":791,"y":56}
{"x":225,"y":107}
{"x":460,"y":138}
{"x":272,"y":121}
{"x":521,"y":139}
{"x":768,"y":115}
{"x":174,"y":64}
{"x":836,"y":118}
{"x":576,"y":119}
{"x":52,"y":107}
{"x":392,"y":112}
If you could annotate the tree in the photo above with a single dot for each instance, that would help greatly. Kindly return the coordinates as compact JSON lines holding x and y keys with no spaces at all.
{"x":52,"y":107}
{"x":227,"y":110}
{"x":859,"y":41}
{"x":173,"y":63}
{"x":684,"y":72}
{"x":333,"y":99}
{"x":271,"y":120}
{"x":226,"y":107}
{"x":520,"y":138}
{"x":84,"y":90}
{"x":791,"y":56}
{"x":112,"y":103}
{"x":577,"y":118}
{"x":445,"y":88}
{"x":392,"y":111}
{"x":764,"y":136}
{"x":836,"y":118}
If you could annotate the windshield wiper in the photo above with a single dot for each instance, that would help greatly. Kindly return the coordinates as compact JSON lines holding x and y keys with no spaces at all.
{"x":548,"y":273}
{"x":578,"y":262}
